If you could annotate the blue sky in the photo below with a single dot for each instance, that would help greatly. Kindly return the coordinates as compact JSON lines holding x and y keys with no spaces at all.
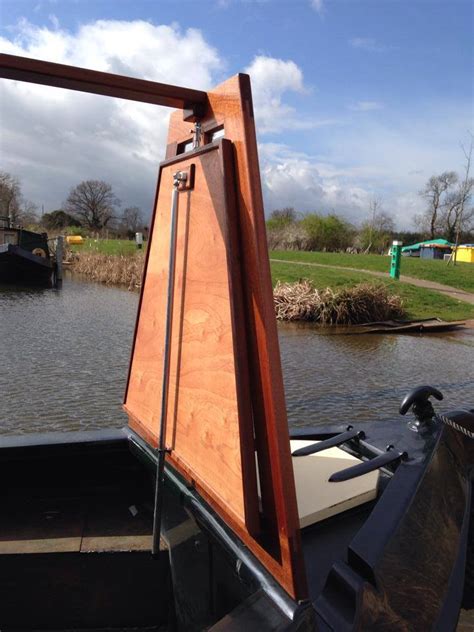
{"x":355,"y":99}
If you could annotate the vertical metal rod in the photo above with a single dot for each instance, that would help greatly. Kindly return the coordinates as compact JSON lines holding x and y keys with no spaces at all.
{"x":59,"y":260}
{"x":178,"y":177}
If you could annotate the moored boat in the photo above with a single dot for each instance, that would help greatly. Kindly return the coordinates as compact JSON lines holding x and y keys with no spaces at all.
{"x":25,"y":257}
{"x":204,"y":513}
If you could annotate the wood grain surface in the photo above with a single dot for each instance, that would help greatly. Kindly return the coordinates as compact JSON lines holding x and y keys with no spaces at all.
{"x":279,"y":545}
{"x":209,"y":423}
{"x":47,"y":73}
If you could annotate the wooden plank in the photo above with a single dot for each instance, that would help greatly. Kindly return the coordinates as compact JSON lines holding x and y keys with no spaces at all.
{"x":107,"y":84}
{"x":209,"y":421}
{"x":279,"y":548}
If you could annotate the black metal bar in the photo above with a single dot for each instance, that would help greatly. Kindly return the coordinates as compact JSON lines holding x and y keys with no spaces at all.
{"x":329,"y":443}
{"x":390,"y":456}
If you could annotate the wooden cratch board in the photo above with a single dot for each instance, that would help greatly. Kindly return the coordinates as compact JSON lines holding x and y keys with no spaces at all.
{"x":209,"y":423}
{"x":230,"y":418}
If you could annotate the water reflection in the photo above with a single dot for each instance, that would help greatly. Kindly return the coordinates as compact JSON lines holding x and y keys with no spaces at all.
{"x":65,"y":357}
{"x":347,"y":379}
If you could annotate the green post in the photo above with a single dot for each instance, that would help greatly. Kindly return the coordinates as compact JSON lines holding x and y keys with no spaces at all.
{"x":396,"y":258}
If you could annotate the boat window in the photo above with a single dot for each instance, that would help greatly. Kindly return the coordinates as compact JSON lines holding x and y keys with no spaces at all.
{"x":9,"y":237}
{"x":215,"y":134}
{"x":184,"y":147}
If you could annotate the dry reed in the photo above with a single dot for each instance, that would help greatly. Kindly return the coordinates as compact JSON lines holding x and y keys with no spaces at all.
{"x":110,"y":269}
{"x":362,"y":303}
{"x":300,"y":301}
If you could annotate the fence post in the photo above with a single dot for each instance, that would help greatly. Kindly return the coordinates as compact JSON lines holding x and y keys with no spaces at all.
{"x":59,"y":259}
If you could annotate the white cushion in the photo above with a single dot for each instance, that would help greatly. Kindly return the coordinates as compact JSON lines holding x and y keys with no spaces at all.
{"x":319,"y":499}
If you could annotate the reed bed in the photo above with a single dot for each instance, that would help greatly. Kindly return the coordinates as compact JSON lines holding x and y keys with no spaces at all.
{"x":362,"y":303}
{"x":300,"y":301}
{"x":110,"y":269}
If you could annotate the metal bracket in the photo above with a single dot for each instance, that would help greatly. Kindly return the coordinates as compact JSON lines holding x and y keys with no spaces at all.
{"x":184,"y":180}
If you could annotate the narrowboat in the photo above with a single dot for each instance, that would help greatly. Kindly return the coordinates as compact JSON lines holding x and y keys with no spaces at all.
{"x":25,"y":257}
{"x":204,"y":513}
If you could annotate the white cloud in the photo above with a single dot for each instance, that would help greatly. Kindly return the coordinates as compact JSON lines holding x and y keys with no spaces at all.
{"x":369,"y":44}
{"x":318,"y":5}
{"x":299,"y":180}
{"x":365,"y":106}
{"x":271,"y":79}
{"x":52,"y":139}
{"x":373,"y":158}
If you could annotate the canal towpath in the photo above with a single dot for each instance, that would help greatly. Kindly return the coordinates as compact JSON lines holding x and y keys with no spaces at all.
{"x":452,"y":292}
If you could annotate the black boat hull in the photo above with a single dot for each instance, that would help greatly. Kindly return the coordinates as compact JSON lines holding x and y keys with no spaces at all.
{"x":400,"y":562}
{"x":20,"y":266}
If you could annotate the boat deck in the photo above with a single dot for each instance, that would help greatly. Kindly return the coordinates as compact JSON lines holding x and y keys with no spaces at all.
{"x":81,"y":524}
{"x":326,"y":542}
{"x":75,"y":538}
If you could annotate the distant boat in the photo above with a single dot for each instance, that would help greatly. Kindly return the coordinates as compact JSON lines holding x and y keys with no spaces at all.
{"x":25,"y":256}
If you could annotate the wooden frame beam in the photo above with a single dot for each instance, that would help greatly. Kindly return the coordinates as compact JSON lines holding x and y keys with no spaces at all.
{"x":46,"y":73}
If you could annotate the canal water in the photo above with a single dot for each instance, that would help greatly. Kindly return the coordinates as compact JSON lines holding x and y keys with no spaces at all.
{"x":64,"y":358}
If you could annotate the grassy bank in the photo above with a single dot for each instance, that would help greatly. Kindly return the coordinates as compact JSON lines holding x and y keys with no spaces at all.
{"x":123,"y":247}
{"x":118,"y":262}
{"x":418,"y":302}
{"x":460,"y":276}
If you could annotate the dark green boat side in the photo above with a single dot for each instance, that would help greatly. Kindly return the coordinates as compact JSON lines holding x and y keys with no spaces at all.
{"x":25,"y":256}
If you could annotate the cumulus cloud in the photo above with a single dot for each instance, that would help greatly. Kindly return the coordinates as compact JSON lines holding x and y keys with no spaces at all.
{"x":55,"y":138}
{"x":271,"y":79}
{"x":299,"y":180}
{"x":52,"y":139}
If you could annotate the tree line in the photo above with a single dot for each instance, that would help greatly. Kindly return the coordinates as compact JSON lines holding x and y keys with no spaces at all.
{"x":91,"y":206}
{"x":447,"y":215}
{"x":289,"y":230}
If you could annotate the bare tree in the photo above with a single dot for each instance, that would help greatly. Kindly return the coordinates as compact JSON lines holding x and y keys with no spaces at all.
{"x":286,"y":215}
{"x":93,"y":202}
{"x":462,"y":218}
{"x":435,"y":193}
{"x":132,"y":219}
{"x":10,"y":197}
{"x":376,"y":231}
{"x":29,"y":212}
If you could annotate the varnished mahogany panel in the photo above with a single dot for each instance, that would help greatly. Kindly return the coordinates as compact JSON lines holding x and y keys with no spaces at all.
{"x":209,"y":422}
{"x":279,"y":547}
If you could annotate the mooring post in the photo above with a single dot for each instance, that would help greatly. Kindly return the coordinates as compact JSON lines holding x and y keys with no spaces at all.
{"x":59,"y":259}
{"x":396,"y":259}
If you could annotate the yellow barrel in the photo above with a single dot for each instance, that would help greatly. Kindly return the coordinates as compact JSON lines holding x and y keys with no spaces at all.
{"x":75,"y":240}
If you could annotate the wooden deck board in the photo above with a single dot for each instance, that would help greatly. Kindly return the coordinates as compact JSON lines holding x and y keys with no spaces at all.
{"x":73,"y":526}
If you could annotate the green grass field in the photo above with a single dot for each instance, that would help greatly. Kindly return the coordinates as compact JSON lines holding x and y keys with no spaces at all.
{"x":460,"y":276}
{"x":419,"y":302}
{"x":107,"y":246}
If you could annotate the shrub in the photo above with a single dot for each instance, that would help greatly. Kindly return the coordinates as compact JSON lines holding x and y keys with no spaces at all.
{"x":362,"y":303}
{"x":327,"y":232}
